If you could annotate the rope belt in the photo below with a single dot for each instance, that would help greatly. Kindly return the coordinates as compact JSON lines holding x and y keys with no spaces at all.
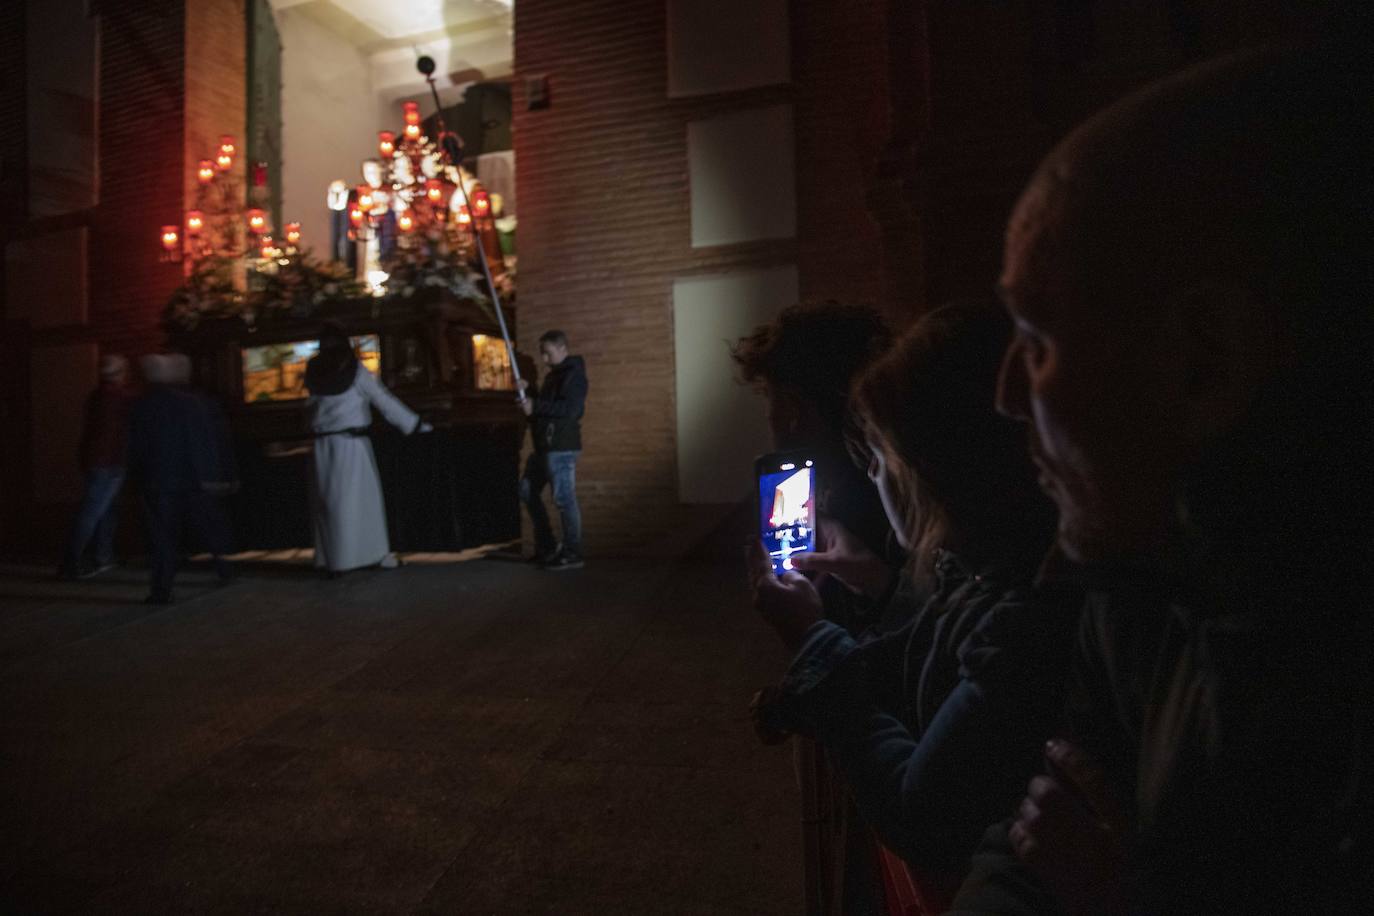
{"x":352,"y":431}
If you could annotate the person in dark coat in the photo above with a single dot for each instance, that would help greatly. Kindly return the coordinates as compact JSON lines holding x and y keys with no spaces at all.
{"x":936,"y":726}
{"x":555,"y":416}
{"x":803,"y":363}
{"x":174,"y":461}
{"x":104,"y":437}
{"x":1190,"y":276}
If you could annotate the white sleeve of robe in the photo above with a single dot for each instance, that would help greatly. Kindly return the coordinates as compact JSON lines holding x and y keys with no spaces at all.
{"x":390,"y":406}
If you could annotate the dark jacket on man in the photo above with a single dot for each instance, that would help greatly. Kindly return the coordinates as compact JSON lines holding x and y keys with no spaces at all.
{"x":556,"y":418}
{"x":104,"y":434}
{"x":1226,"y":690}
{"x":172,"y":446}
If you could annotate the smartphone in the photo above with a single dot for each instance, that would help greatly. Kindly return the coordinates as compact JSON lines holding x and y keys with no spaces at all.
{"x":786,"y":488}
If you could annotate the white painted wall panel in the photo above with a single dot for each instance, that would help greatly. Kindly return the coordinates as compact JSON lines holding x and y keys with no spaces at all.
{"x":727,"y":45}
{"x":743,"y":177}
{"x":721,"y":426}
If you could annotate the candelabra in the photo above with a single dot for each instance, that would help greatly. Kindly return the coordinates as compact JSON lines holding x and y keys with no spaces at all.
{"x":221,"y":226}
{"x":412,"y":189}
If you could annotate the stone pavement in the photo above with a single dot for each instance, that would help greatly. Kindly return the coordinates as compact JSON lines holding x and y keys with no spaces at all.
{"x":472,"y":738}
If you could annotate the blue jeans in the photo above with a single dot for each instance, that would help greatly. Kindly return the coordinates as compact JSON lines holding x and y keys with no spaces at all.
{"x":558,"y":468}
{"x":95,"y":519}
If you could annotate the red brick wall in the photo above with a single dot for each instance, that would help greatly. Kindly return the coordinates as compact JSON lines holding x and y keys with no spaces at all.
{"x":605,"y":222}
{"x":13,"y":155}
{"x":142,"y":94}
{"x":839,"y":69}
{"x":171,"y":74}
{"x":216,"y":99}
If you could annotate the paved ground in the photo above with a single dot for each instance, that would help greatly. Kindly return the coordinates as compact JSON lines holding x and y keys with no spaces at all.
{"x":474,"y":738}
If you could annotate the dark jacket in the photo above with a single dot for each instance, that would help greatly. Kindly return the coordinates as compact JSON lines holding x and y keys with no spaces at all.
{"x":850,"y":498}
{"x":172,"y":445}
{"x":104,"y":434}
{"x":938,"y":726}
{"x":556,"y":420}
{"x":1226,"y":688}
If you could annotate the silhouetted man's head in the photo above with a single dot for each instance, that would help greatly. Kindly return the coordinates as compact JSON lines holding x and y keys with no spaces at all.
{"x":1168,"y":259}
{"x":553,"y":348}
{"x":803,"y":363}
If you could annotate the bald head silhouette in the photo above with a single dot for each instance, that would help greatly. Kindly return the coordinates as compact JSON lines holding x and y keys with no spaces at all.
{"x":1170,"y":257}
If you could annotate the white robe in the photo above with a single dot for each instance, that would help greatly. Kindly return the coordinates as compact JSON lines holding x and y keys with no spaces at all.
{"x":350,"y":517}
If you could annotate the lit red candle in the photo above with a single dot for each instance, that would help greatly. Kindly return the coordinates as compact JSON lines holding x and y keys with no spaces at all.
{"x":412,"y":112}
{"x":355,"y":216}
{"x":171,"y":238}
{"x":257,"y":221}
{"x":225,"y":160}
{"x":386,"y":143}
{"x":481,"y":203}
{"x":293,"y":233}
{"x":195,"y":222}
{"x":434,"y":190}
{"x":405,"y":222}
{"x":206,"y":173}
{"x":463,"y":216}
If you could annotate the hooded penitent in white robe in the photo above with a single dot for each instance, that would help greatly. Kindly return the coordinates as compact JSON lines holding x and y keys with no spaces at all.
{"x":350,"y":517}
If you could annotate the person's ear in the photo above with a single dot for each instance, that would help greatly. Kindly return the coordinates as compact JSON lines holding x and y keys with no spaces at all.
{"x":1229,"y":344}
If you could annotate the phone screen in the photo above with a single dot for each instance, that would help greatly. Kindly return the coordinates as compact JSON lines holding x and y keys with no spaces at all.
{"x":787,"y":508}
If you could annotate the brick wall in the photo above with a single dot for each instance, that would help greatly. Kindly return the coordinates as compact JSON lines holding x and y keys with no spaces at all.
{"x":13,"y":154}
{"x":216,"y":100}
{"x":142,"y":97}
{"x":13,"y":351}
{"x":839,"y":70}
{"x":604,"y":228}
{"x":171,"y":80}
{"x":605,"y":222}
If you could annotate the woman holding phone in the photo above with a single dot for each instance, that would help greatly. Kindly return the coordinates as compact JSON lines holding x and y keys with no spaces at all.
{"x":936,"y":726}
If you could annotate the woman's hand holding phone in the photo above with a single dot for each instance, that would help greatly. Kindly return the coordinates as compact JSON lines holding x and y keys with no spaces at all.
{"x":845,"y":557}
{"x":789,"y":603}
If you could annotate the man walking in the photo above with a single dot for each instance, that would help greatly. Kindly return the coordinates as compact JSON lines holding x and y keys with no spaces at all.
{"x":103,"y":444}
{"x":173,"y":458}
{"x":556,"y":430}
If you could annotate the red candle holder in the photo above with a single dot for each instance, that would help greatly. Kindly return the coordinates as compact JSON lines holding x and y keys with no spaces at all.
{"x":481,"y":203}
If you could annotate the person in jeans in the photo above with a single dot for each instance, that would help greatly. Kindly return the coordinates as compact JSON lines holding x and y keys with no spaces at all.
{"x":104,"y":441}
{"x":556,"y":430}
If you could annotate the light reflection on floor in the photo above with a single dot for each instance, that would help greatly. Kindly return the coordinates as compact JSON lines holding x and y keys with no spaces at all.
{"x":305,"y":556}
